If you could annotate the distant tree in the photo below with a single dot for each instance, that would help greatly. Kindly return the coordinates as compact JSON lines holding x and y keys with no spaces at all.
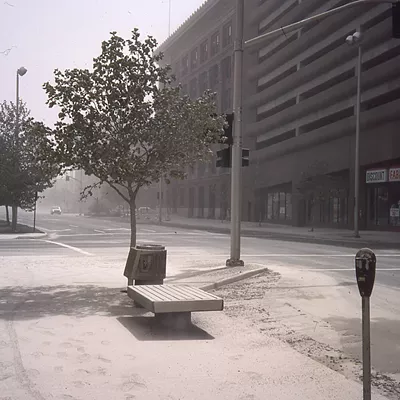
{"x":124,"y":122}
{"x":28,"y":164}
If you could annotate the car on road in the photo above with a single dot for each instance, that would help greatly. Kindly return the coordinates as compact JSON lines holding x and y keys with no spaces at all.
{"x":56,"y":210}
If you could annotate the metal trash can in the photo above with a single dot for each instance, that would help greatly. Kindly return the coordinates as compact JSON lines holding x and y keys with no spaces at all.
{"x":146,"y":265}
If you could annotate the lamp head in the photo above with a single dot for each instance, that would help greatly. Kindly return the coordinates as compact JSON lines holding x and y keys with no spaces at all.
{"x":21,"y":71}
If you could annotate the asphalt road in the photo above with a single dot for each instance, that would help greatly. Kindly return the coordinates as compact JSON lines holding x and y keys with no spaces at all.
{"x":97,"y":236}
{"x":307,"y":268}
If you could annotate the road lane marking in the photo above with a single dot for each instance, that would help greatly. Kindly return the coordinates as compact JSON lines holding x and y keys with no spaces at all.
{"x":314,"y":255}
{"x":69,"y":247}
{"x":346,"y":269}
{"x":148,"y":230}
{"x":117,"y":229}
{"x":99,"y":231}
{"x":54,"y":230}
{"x":74,"y":226}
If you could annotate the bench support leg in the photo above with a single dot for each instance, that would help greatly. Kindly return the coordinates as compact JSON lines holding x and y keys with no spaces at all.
{"x":178,"y":320}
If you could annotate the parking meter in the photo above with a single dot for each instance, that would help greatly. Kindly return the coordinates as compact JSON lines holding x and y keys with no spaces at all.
{"x":365,"y":271}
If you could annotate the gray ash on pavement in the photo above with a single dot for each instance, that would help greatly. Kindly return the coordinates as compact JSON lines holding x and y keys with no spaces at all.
{"x":248,"y":299}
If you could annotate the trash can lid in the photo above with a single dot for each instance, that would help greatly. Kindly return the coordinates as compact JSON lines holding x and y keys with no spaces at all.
{"x":150,"y":247}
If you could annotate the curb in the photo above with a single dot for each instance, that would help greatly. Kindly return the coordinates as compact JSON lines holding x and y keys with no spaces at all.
{"x":234,"y":279}
{"x":39,"y":236}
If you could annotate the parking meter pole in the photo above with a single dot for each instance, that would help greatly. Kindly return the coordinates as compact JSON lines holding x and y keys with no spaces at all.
{"x":366,"y":343}
{"x":365,"y":263}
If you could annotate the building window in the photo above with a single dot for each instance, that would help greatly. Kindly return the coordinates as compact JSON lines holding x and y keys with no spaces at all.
{"x":194,"y":58}
{"x":185,"y":65}
{"x":182,"y":197}
{"x":211,"y":201}
{"x":215,"y":43}
{"x":226,"y":67}
{"x":201,"y":202}
{"x":227,"y":34}
{"x":176,"y":71}
{"x":203,"y":82}
{"x":227,"y":100}
{"x":214,"y":76}
{"x":184,"y":89}
{"x":279,"y":206}
{"x":204,"y":51}
{"x":193,"y":88}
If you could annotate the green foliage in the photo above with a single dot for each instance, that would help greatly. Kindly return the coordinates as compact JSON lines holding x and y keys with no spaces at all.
{"x":125,"y":123}
{"x":27,"y":160}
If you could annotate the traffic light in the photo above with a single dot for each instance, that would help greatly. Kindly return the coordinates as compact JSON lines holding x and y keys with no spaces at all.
{"x":245,"y":157}
{"x":396,"y":20}
{"x":224,"y":158}
{"x":228,"y":129}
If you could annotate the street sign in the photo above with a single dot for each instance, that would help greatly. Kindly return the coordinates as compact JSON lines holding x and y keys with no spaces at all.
{"x":365,"y":263}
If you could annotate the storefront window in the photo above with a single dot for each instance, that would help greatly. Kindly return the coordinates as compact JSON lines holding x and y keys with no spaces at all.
{"x":269,"y":206}
{"x":275,"y":206}
{"x":379,"y":205}
{"x":335,"y":204}
{"x":289,"y":206}
{"x":279,"y":206}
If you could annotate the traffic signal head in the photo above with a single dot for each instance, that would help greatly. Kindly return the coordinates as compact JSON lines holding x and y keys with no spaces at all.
{"x":245,"y":157}
{"x":228,"y":129}
{"x":224,"y":158}
{"x":396,"y":20}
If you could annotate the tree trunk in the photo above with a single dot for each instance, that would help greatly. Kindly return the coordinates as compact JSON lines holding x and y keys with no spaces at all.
{"x":14,"y":209}
{"x":132,"y":206}
{"x":7,"y":216}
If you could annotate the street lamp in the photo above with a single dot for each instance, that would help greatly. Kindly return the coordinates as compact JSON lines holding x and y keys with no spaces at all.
{"x":355,"y":39}
{"x":20,"y":72}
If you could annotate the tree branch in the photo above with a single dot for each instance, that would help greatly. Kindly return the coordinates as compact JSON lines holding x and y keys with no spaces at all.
{"x":118,"y":191}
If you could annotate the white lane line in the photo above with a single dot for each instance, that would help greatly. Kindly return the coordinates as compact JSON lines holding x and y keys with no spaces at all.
{"x":346,"y":269}
{"x":315,"y":255}
{"x":55,"y":230}
{"x":74,"y":226}
{"x":99,"y":231}
{"x":69,"y":247}
{"x":117,"y":229}
{"x":148,"y":230}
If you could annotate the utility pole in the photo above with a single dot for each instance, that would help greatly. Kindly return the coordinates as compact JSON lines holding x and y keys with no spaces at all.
{"x":356,"y":38}
{"x":236,"y":173}
{"x":160,"y":201}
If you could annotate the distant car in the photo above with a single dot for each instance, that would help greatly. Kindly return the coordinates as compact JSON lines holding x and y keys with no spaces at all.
{"x":56,"y":210}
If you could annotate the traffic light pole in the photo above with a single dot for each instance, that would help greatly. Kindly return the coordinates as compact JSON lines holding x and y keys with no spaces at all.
{"x":236,"y":172}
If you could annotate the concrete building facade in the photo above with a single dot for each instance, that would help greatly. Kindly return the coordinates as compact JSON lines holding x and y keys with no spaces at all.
{"x":200,"y":54}
{"x":299,"y":113}
{"x":301,"y":102}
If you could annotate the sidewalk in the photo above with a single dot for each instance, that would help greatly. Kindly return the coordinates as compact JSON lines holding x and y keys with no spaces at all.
{"x":68,"y":320}
{"x":338,"y":237}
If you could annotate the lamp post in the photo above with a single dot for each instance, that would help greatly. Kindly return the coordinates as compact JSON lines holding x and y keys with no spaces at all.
{"x":20,"y":72}
{"x":355,"y":39}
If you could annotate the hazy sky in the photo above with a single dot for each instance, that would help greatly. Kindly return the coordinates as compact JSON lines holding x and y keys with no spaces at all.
{"x":48,"y":34}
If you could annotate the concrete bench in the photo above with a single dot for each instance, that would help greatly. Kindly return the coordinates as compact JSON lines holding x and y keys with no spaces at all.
{"x":173,"y":304}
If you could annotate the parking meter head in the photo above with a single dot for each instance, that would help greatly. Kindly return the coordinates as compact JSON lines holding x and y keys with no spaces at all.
{"x":365,"y":263}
